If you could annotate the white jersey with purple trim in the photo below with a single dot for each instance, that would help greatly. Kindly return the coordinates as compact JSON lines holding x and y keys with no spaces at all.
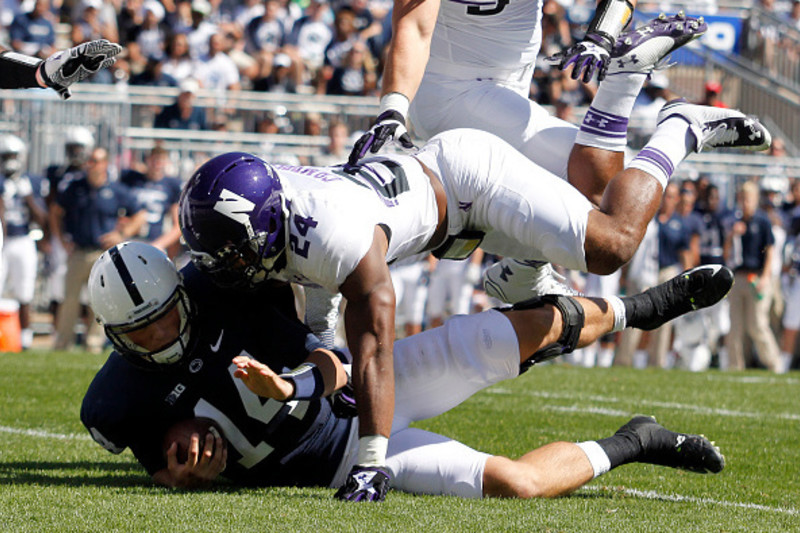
{"x":332,"y":215}
{"x":486,"y":38}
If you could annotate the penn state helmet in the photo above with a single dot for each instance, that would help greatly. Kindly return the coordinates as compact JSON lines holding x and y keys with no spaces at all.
{"x":132,"y":285}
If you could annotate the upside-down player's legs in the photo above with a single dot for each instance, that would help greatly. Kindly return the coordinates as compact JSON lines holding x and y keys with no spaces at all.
{"x":526,"y":211}
{"x":444,"y":103}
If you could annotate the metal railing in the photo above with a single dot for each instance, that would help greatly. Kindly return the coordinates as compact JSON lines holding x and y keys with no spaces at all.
{"x":773,"y":46}
{"x":41,"y":119}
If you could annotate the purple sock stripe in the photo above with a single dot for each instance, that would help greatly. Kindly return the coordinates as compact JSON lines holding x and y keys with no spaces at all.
{"x":603,"y":133}
{"x":604,"y":121}
{"x":658,"y":158}
{"x":607,"y":115}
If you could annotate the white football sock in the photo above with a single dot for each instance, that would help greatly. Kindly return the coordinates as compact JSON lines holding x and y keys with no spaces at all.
{"x":597,"y":457}
{"x":664,"y":152}
{"x":605,"y":124}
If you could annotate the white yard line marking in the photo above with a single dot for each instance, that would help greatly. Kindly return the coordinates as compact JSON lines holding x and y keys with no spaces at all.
{"x":43,"y":434}
{"x":653,"y":495}
{"x":638,"y":402}
{"x":761,"y":380}
{"x":593,"y":410}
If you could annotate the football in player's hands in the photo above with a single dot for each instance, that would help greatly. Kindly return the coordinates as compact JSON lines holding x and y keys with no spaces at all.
{"x":182,"y":432}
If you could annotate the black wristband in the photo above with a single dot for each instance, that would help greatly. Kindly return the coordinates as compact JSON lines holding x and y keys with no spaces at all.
{"x":18,"y":71}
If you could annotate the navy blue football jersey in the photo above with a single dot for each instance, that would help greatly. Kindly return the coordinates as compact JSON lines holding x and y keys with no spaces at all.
{"x":269,"y":442}
{"x":17,"y":214}
{"x":155,"y":196}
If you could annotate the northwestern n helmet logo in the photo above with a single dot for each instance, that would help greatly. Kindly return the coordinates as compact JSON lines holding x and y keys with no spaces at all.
{"x":237,"y":208}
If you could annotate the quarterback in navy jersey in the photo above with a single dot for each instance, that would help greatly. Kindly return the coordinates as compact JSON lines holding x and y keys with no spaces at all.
{"x":186,"y":349}
{"x":271,"y":442}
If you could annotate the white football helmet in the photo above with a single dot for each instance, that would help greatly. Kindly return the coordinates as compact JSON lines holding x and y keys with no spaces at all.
{"x":78,"y":143}
{"x":12,"y":155}
{"x":131,"y":286}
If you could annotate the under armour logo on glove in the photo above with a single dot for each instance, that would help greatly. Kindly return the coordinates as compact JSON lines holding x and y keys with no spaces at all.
{"x":64,"y":68}
{"x":365,"y":483}
{"x":390,"y":125}
{"x":586,"y":57}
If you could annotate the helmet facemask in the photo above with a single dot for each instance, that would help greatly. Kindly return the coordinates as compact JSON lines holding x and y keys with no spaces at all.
{"x":169,"y":353}
{"x":10,"y":164}
{"x":248,"y":264}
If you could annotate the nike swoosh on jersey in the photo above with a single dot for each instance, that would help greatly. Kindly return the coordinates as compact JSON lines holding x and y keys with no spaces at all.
{"x":215,"y":347}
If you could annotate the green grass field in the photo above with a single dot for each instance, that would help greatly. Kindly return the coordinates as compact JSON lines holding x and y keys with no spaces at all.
{"x":54,"y":478}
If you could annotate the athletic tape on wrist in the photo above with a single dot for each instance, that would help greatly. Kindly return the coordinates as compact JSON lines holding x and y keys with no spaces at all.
{"x":396,"y":102}
{"x":307,"y":380}
{"x":620,"y":319}
{"x":372,"y":450}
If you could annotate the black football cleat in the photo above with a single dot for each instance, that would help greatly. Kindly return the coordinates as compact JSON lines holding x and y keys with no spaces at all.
{"x":694,"y":289}
{"x":661,"y":446}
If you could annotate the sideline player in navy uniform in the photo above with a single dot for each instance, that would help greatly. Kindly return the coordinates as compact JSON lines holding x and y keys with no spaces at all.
{"x":21,"y":204}
{"x":186,"y":348}
{"x":78,"y":144}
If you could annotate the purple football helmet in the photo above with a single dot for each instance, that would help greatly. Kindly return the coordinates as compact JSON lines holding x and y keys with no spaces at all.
{"x":232,"y":219}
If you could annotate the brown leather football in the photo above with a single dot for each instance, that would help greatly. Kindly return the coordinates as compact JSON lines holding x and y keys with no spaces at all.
{"x":182,"y":431}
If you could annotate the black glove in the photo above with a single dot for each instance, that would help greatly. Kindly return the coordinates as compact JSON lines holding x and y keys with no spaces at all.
{"x":389,"y":126}
{"x":343,"y":401}
{"x":365,"y":484}
{"x":66,"y":67}
{"x":587,"y":57}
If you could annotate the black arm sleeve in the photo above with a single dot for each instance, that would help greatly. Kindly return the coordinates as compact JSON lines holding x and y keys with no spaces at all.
{"x":18,"y":71}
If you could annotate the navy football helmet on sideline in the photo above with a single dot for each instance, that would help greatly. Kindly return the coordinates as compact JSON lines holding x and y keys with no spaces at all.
{"x":231,"y":216}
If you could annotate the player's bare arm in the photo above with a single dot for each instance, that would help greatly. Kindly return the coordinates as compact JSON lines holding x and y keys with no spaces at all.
{"x":369,"y":325}
{"x":201,"y":467}
{"x":262,"y":380}
{"x":413,"y":22}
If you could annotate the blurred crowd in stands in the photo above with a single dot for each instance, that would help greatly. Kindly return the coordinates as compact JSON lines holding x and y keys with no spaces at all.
{"x":336,"y":47}
{"x":310,"y":46}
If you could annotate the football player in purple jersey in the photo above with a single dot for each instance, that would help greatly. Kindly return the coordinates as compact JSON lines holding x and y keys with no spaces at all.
{"x":185,"y":348}
{"x":247,"y":221}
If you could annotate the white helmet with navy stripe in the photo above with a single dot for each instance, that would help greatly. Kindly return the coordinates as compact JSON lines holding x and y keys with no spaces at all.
{"x":12,"y":154}
{"x":131,"y":286}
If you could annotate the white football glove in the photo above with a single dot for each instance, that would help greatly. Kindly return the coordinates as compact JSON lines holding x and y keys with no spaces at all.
{"x":66,"y":67}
